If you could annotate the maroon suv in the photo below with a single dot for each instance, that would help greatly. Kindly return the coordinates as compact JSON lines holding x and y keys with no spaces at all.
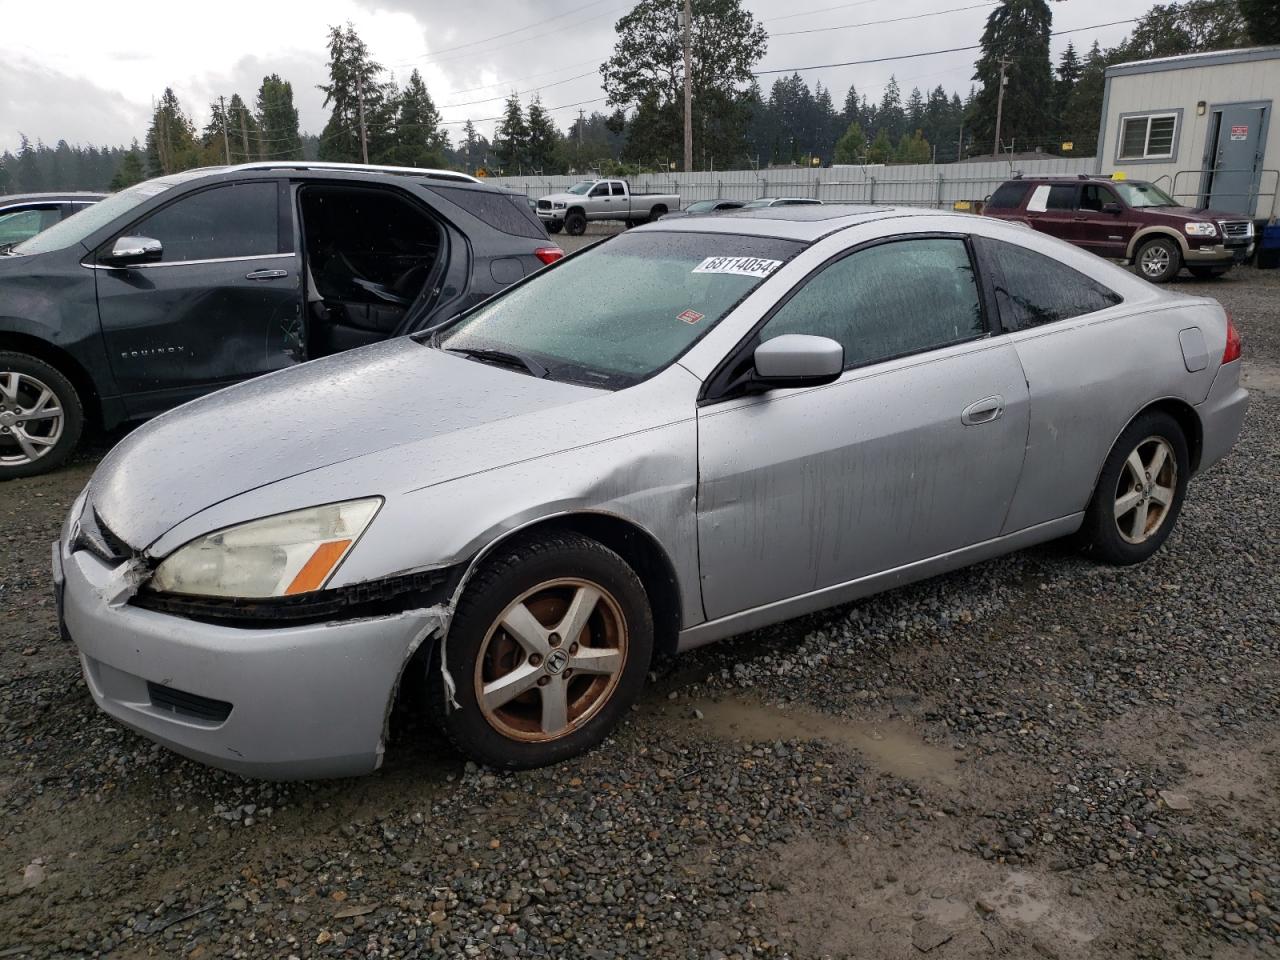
{"x":1130,"y":220}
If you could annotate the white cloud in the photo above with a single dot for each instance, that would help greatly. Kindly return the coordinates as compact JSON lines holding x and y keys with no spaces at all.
{"x":96,"y":83}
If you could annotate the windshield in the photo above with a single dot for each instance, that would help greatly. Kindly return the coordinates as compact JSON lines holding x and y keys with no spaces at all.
{"x":701,"y":206}
{"x":1143,"y":195}
{"x":583,"y":187}
{"x":75,"y":229}
{"x":624,"y":310}
{"x":762,"y":202}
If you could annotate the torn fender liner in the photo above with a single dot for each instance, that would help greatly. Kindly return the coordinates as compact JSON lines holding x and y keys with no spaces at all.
{"x":437,"y":624}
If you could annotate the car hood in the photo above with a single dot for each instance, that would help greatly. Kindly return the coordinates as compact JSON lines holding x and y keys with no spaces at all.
{"x":302,"y":419}
{"x":1183,"y":214}
{"x":563,"y":197}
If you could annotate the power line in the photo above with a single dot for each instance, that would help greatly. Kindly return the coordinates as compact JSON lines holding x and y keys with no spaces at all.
{"x":873,"y":23}
{"x":499,"y":36}
{"x":503,"y":96}
{"x":926,"y":53}
{"x":807,"y":13}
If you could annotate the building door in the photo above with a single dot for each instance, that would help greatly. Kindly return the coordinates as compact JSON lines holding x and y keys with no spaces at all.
{"x":1235,"y":163}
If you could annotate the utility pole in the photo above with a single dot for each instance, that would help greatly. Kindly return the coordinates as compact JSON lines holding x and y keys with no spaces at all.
{"x":960,"y":144}
{"x":1004,"y":64}
{"x":226,"y":137}
{"x":244,"y":135}
{"x":364,"y":137}
{"x":688,"y":88}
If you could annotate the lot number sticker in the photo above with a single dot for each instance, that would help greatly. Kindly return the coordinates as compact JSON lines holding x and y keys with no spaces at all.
{"x":739,"y":266}
{"x":690,"y":316}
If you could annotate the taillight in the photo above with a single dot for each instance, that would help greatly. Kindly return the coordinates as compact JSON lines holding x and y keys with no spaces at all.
{"x":548,"y":254}
{"x":1233,"y":342}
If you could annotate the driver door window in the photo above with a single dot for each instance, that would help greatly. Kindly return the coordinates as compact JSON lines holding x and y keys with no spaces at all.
{"x":888,"y":301}
{"x":234,"y":220}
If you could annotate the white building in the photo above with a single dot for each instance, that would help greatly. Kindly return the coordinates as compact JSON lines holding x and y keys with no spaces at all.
{"x":1199,"y":126}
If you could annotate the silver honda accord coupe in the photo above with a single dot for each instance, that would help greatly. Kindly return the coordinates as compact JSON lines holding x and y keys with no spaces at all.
{"x":693,"y":429}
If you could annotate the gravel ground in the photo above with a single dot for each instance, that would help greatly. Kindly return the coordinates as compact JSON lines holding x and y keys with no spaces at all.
{"x":1032,"y":757}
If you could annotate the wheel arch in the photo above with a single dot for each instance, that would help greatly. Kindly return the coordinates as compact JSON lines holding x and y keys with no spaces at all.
{"x":63,"y":362}
{"x":1151,"y":233}
{"x":1186,"y":417}
{"x":573,"y":210}
{"x":637,"y":546}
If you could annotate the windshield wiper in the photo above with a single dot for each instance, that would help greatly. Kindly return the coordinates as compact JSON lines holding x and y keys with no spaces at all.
{"x":502,"y":357}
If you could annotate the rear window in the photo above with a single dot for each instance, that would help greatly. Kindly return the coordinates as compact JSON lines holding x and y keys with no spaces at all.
{"x":506,"y":212}
{"x":1008,"y":196}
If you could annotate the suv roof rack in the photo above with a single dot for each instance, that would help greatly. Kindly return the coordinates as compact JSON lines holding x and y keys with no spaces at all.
{"x":429,"y":172}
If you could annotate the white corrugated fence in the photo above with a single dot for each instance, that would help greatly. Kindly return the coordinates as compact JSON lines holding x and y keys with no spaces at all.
{"x":922,"y":185}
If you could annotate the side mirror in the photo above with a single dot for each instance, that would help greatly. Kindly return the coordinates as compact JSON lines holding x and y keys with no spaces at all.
{"x":1112,"y":208}
{"x":130,"y":250}
{"x":796,"y":360}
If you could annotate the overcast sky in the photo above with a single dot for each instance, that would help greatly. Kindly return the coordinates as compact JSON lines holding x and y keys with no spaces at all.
{"x":87,"y":72}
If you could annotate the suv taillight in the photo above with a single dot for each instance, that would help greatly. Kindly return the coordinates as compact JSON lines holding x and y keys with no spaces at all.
{"x":548,"y":254}
{"x":1232,"y":352}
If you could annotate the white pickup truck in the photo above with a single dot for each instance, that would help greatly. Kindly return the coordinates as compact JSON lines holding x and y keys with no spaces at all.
{"x":601,"y":200}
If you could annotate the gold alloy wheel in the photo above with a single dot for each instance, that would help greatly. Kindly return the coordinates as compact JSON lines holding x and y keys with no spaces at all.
{"x":551,"y":660}
{"x":1144,"y":494}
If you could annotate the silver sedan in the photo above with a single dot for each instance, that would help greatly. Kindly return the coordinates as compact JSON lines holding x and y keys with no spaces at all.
{"x":693,"y":429}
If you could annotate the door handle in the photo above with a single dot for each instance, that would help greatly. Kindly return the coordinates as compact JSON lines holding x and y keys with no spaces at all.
{"x":982,"y":411}
{"x":266,"y":275}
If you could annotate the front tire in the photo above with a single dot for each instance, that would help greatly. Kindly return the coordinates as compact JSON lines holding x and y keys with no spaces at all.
{"x":575,"y":224}
{"x":548,"y":648}
{"x":1140,"y":492}
{"x":1159,"y":260}
{"x":554,"y":226}
{"x":41,"y":416}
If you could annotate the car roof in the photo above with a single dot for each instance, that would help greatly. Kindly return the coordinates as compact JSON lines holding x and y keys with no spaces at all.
{"x":12,"y":198}
{"x":806,"y":222}
{"x":1080,"y":178}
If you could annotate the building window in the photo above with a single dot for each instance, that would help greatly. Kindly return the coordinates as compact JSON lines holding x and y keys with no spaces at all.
{"x":1148,"y":137}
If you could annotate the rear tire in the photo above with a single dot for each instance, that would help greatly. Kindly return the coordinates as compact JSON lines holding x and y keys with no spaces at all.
{"x":533,"y":688}
{"x":1140,"y":492}
{"x":41,"y":416}
{"x":575,"y":224}
{"x":1159,"y":260}
{"x":1208,"y":273}
{"x":657,"y":213}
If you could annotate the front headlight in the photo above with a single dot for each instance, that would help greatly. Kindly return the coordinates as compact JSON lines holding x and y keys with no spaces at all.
{"x":284,"y":555}
{"x":557,"y":205}
{"x":1201,"y":230}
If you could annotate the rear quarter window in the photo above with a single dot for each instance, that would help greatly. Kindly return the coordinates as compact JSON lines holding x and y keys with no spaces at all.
{"x":1008,"y":196}
{"x":1033,"y":289}
{"x":505,"y":212}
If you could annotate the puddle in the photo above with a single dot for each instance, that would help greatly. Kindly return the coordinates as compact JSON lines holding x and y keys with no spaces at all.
{"x":892,"y":747}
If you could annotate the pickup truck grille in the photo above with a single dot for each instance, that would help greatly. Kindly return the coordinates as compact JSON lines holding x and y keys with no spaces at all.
{"x":544,"y":204}
{"x":1236,"y":229}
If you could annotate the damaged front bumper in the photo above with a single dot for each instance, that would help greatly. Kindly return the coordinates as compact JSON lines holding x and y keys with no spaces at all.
{"x":277,"y":702}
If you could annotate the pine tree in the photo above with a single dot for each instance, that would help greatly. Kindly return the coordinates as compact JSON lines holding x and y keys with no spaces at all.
{"x":470,"y":142}
{"x":913,"y":148}
{"x":544,"y":138}
{"x":421,"y":142}
{"x":354,"y":79}
{"x":890,"y":117}
{"x":511,"y":138}
{"x":852,"y":112}
{"x":881,"y":149}
{"x":852,"y":145}
{"x":244,"y":131}
{"x":130,"y":170}
{"x":215,"y":141}
{"x":1262,"y":17}
{"x":1069,"y":70}
{"x":171,"y":138}
{"x":278,"y":120}
{"x":1017,"y":31}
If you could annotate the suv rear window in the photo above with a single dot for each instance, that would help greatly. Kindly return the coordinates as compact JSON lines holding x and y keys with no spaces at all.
{"x":506,"y":212}
{"x":1008,"y":196}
